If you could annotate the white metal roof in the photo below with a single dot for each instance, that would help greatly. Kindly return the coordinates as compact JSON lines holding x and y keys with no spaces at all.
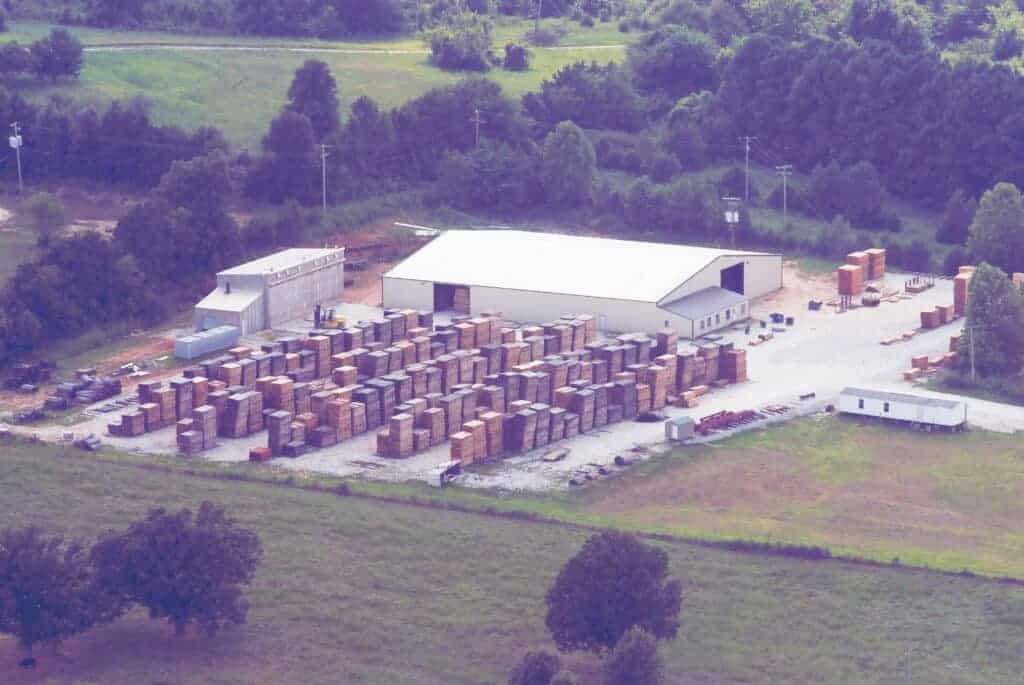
{"x":285,"y":259}
{"x":556,"y":263}
{"x":916,"y":400}
{"x":235,"y":301}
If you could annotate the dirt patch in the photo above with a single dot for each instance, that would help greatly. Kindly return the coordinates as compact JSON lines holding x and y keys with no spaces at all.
{"x":798,"y":288}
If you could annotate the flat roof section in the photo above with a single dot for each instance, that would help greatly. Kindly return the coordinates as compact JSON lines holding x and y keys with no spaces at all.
{"x":900,"y":397}
{"x":280,"y":261}
{"x":558,"y":264}
{"x":704,"y":302}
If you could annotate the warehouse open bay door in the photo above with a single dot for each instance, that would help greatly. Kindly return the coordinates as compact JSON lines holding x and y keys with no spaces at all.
{"x":449,"y":297}
{"x":733,"y":279}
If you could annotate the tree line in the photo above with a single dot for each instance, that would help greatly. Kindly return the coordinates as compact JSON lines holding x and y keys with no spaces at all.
{"x":187,"y":569}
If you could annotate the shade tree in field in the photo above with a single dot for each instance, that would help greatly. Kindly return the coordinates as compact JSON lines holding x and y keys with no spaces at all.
{"x":614,"y":583}
{"x":995,"y":324}
{"x":188,"y":569}
{"x":57,"y":55}
{"x":997,"y":231}
{"x":288,"y":169}
{"x":47,"y":592}
{"x":314,"y":94}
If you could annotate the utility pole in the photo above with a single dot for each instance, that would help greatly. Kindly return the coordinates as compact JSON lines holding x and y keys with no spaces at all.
{"x":476,"y":120}
{"x":785,"y":170}
{"x":747,"y":140}
{"x":15,"y":141}
{"x":974,"y":372}
{"x":732,"y":216}
{"x":536,"y":20}
{"x":323,"y":173}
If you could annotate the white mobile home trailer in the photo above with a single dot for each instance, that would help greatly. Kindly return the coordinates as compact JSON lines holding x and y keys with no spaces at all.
{"x":923,"y":412}
{"x":629,"y":285}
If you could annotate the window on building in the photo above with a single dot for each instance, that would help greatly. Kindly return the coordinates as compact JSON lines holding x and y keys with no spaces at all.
{"x":885,"y":407}
{"x":728,"y":314}
{"x":860,"y":404}
{"x":743,"y":308}
{"x":702,"y":324}
{"x":718,"y":318}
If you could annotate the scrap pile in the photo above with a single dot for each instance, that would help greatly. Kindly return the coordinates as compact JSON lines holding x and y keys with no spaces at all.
{"x":87,"y":388}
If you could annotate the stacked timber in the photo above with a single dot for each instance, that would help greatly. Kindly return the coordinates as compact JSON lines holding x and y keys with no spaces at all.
{"x":876,"y":263}
{"x":861,"y":259}
{"x":851,"y":279}
{"x":961,"y":285}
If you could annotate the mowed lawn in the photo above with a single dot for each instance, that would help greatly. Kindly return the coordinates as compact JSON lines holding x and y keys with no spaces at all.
{"x":356,"y":590}
{"x":240,"y":92}
{"x":949,"y":501}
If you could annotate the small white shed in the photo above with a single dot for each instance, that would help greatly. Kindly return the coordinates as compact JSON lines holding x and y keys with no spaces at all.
{"x":925,"y":412}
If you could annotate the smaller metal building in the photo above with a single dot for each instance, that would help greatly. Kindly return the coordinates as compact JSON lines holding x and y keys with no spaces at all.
{"x":924,"y":412}
{"x":272,"y":290}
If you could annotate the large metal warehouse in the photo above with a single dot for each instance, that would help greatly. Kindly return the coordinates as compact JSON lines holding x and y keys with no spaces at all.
{"x":628,"y":285}
{"x":272,"y":290}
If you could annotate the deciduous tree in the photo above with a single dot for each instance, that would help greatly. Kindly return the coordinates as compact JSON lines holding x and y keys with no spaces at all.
{"x":567,"y":165}
{"x":614,"y":583}
{"x":997,"y":232}
{"x":183,"y":568}
{"x":46,"y":590}
{"x":957,"y":217}
{"x":995,"y":323}
{"x":314,"y":94}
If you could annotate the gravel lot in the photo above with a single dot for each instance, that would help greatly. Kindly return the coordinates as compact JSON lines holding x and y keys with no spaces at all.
{"x":822,"y":353}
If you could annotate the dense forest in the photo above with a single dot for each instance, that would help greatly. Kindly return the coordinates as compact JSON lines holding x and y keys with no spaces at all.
{"x":870,"y":100}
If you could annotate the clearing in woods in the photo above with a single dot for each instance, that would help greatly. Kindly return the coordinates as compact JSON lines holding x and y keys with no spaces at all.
{"x":945,"y":501}
{"x":239,"y":92}
{"x":359,"y":590}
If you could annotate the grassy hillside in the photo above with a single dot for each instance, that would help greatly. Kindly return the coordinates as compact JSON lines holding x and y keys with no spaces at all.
{"x":356,"y":590}
{"x":241,"y":91}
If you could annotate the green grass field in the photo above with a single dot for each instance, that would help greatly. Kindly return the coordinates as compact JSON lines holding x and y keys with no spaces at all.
{"x":240,"y":92}
{"x":951,"y":502}
{"x":357,"y":590}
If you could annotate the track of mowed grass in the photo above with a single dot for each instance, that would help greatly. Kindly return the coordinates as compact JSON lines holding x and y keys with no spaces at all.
{"x":359,"y":590}
{"x":943,"y":501}
{"x":240,"y":92}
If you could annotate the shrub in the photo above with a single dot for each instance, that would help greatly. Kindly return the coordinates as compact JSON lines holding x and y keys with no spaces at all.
{"x":541,"y":37}
{"x":517,"y":58}
{"x":625,"y":152}
{"x":733,"y":182}
{"x":664,"y":168}
{"x":634,"y":661}
{"x":536,"y":668}
{"x":464,"y":43}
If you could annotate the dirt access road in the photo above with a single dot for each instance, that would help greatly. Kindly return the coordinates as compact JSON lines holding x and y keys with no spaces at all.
{"x":227,"y":47}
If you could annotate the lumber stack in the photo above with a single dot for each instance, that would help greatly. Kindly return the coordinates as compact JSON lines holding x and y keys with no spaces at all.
{"x":876,"y":263}
{"x":861,"y":259}
{"x":851,"y":279}
{"x":733,"y":365}
{"x":961,"y":285}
